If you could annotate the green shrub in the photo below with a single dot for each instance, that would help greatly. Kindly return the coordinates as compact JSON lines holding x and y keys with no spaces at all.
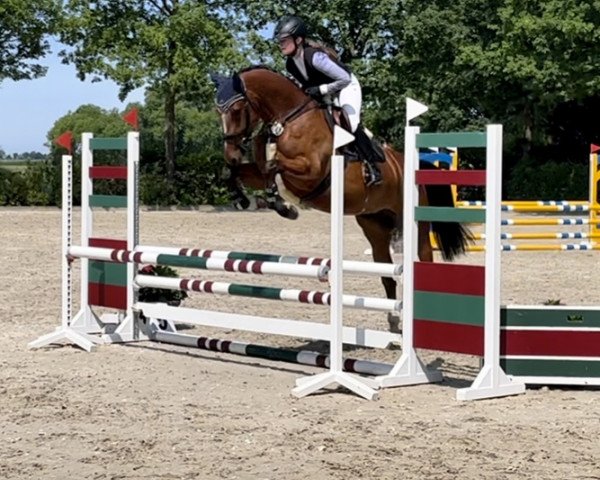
{"x":550,"y":181}
{"x":43,"y":183}
{"x":13,"y":188}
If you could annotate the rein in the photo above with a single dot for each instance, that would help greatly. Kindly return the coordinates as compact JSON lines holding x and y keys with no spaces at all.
{"x":299,"y":111}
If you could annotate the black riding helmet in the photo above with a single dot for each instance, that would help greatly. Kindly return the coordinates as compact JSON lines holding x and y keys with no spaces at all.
{"x":289,"y":26}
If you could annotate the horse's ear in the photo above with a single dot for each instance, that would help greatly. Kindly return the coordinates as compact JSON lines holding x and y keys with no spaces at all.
{"x":238,"y":84}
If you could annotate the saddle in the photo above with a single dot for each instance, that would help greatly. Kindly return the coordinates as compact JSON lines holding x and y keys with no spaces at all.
{"x":336,"y":115}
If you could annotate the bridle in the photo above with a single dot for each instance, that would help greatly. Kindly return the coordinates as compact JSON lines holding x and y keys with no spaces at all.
{"x":245,"y":132}
{"x":274,"y":128}
{"x":243,"y":138}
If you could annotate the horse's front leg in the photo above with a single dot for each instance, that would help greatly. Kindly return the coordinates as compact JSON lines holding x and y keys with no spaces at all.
{"x":234,"y":186}
{"x":275,"y":200}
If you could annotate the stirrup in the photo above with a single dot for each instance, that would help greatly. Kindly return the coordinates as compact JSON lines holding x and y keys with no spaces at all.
{"x":373,"y":175}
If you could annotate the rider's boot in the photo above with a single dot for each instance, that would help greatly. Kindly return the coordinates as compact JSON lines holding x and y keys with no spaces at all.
{"x":373,"y":173}
{"x":369,"y":156}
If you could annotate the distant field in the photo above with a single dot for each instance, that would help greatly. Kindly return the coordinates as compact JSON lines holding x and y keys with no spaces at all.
{"x":13,"y":165}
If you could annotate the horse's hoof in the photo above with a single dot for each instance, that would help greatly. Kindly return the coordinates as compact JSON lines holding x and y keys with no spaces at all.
{"x":285,"y":211}
{"x":293,"y":213}
{"x":242,"y":204}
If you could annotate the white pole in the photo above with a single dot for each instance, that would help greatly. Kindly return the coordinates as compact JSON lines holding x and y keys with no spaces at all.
{"x":133,"y":223}
{"x":493,"y":219}
{"x":336,"y":375}
{"x":409,"y":369}
{"x":66,"y":332}
{"x":87,"y":229}
{"x":67,"y":239}
{"x":336,"y":274}
{"x":129,"y":327}
{"x":492,"y":381}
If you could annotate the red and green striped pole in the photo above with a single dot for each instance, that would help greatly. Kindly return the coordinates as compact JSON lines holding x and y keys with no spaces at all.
{"x":301,"y":357}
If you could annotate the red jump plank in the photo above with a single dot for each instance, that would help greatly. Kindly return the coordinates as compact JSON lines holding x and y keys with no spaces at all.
{"x":450,"y":278}
{"x":109,"y":172}
{"x":475,"y":178}
{"x":104,"y":295}
{"x":566,"y":343}
{"x":448,"y":337}
{"x":111,"y":243}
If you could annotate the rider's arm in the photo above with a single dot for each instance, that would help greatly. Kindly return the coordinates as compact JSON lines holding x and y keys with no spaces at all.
{"x":341,"y":78}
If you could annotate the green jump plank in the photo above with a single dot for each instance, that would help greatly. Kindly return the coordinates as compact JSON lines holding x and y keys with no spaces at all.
{"x":449,"y":308}
{"x":108,"y":273}
{"x":550,"y":317}
{"x":108,"y":201}
{"x":550,"y":368}
{"x":108,"y":143}
{"x":452,"y":139}
{"x":449,"y":214}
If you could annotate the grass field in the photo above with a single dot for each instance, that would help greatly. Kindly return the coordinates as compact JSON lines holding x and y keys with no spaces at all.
{"x":13,"y":165}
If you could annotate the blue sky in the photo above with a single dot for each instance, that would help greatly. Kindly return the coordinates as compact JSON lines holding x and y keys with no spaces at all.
{"x":29,"y":108}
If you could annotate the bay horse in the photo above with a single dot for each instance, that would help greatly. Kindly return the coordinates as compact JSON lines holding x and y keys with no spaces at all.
{"x":258,"y":105}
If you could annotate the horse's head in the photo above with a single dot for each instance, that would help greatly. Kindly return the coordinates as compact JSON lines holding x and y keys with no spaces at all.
{"x":238,"y":118}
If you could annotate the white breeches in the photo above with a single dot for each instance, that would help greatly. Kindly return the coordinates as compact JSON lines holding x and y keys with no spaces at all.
{"x":350,"y":99}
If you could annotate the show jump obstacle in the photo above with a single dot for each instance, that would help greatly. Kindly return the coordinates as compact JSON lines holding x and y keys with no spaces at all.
{"x":456,"y":308}
{"x":110,"y":267}
{"x":447,"y":307}
{"x":554,"y":240}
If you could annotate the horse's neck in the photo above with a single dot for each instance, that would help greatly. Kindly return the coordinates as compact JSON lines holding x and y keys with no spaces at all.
{"x":275,"y":96}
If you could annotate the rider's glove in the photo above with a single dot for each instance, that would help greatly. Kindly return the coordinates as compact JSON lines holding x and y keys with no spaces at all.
{"x":314,"y":92}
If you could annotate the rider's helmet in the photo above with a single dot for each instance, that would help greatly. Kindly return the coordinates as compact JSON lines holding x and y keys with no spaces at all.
{"x":289,"y":26}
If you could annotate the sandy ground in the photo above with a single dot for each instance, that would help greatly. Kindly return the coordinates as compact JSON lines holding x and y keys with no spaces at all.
{"x":149,"y":411}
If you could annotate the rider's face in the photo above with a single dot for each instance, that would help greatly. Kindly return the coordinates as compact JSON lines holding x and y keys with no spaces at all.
{"x":287,"y":45}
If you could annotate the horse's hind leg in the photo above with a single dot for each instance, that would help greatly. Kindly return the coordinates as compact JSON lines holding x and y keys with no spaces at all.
{"x":379,"y":228}
{"x":424,"y":240}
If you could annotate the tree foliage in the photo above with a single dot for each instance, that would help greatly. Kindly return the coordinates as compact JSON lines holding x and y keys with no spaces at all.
{"x":528,"y":65}
{"x":24,"y":30}
{"x":168,"y":46}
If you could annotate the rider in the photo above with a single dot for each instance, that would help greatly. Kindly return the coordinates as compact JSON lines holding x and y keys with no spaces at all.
{"x":321,"y":74}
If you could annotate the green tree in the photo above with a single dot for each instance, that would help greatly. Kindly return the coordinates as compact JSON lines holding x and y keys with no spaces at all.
{"x":197,"y":179}
{"x":169,"y":46}
{"x":528,"y":65}
{"x":24,"y":30}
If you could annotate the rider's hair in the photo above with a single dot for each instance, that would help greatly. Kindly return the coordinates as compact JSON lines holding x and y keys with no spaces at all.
{"x":321,"y":46}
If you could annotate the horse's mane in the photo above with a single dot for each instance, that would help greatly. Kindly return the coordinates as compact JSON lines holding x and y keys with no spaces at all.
{"x":269,"y":69}
{"x":257,"y":67}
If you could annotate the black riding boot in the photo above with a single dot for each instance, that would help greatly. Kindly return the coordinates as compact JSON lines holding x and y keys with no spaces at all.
{"x":369,"y":156}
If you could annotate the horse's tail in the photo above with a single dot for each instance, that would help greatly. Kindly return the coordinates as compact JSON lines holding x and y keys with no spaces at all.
{"x":452,"y":237}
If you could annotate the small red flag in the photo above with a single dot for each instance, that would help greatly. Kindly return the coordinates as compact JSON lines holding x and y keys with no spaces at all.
{"x":66,"y":141}
{"x":594,"y":148}
{"x":131,"y":117}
